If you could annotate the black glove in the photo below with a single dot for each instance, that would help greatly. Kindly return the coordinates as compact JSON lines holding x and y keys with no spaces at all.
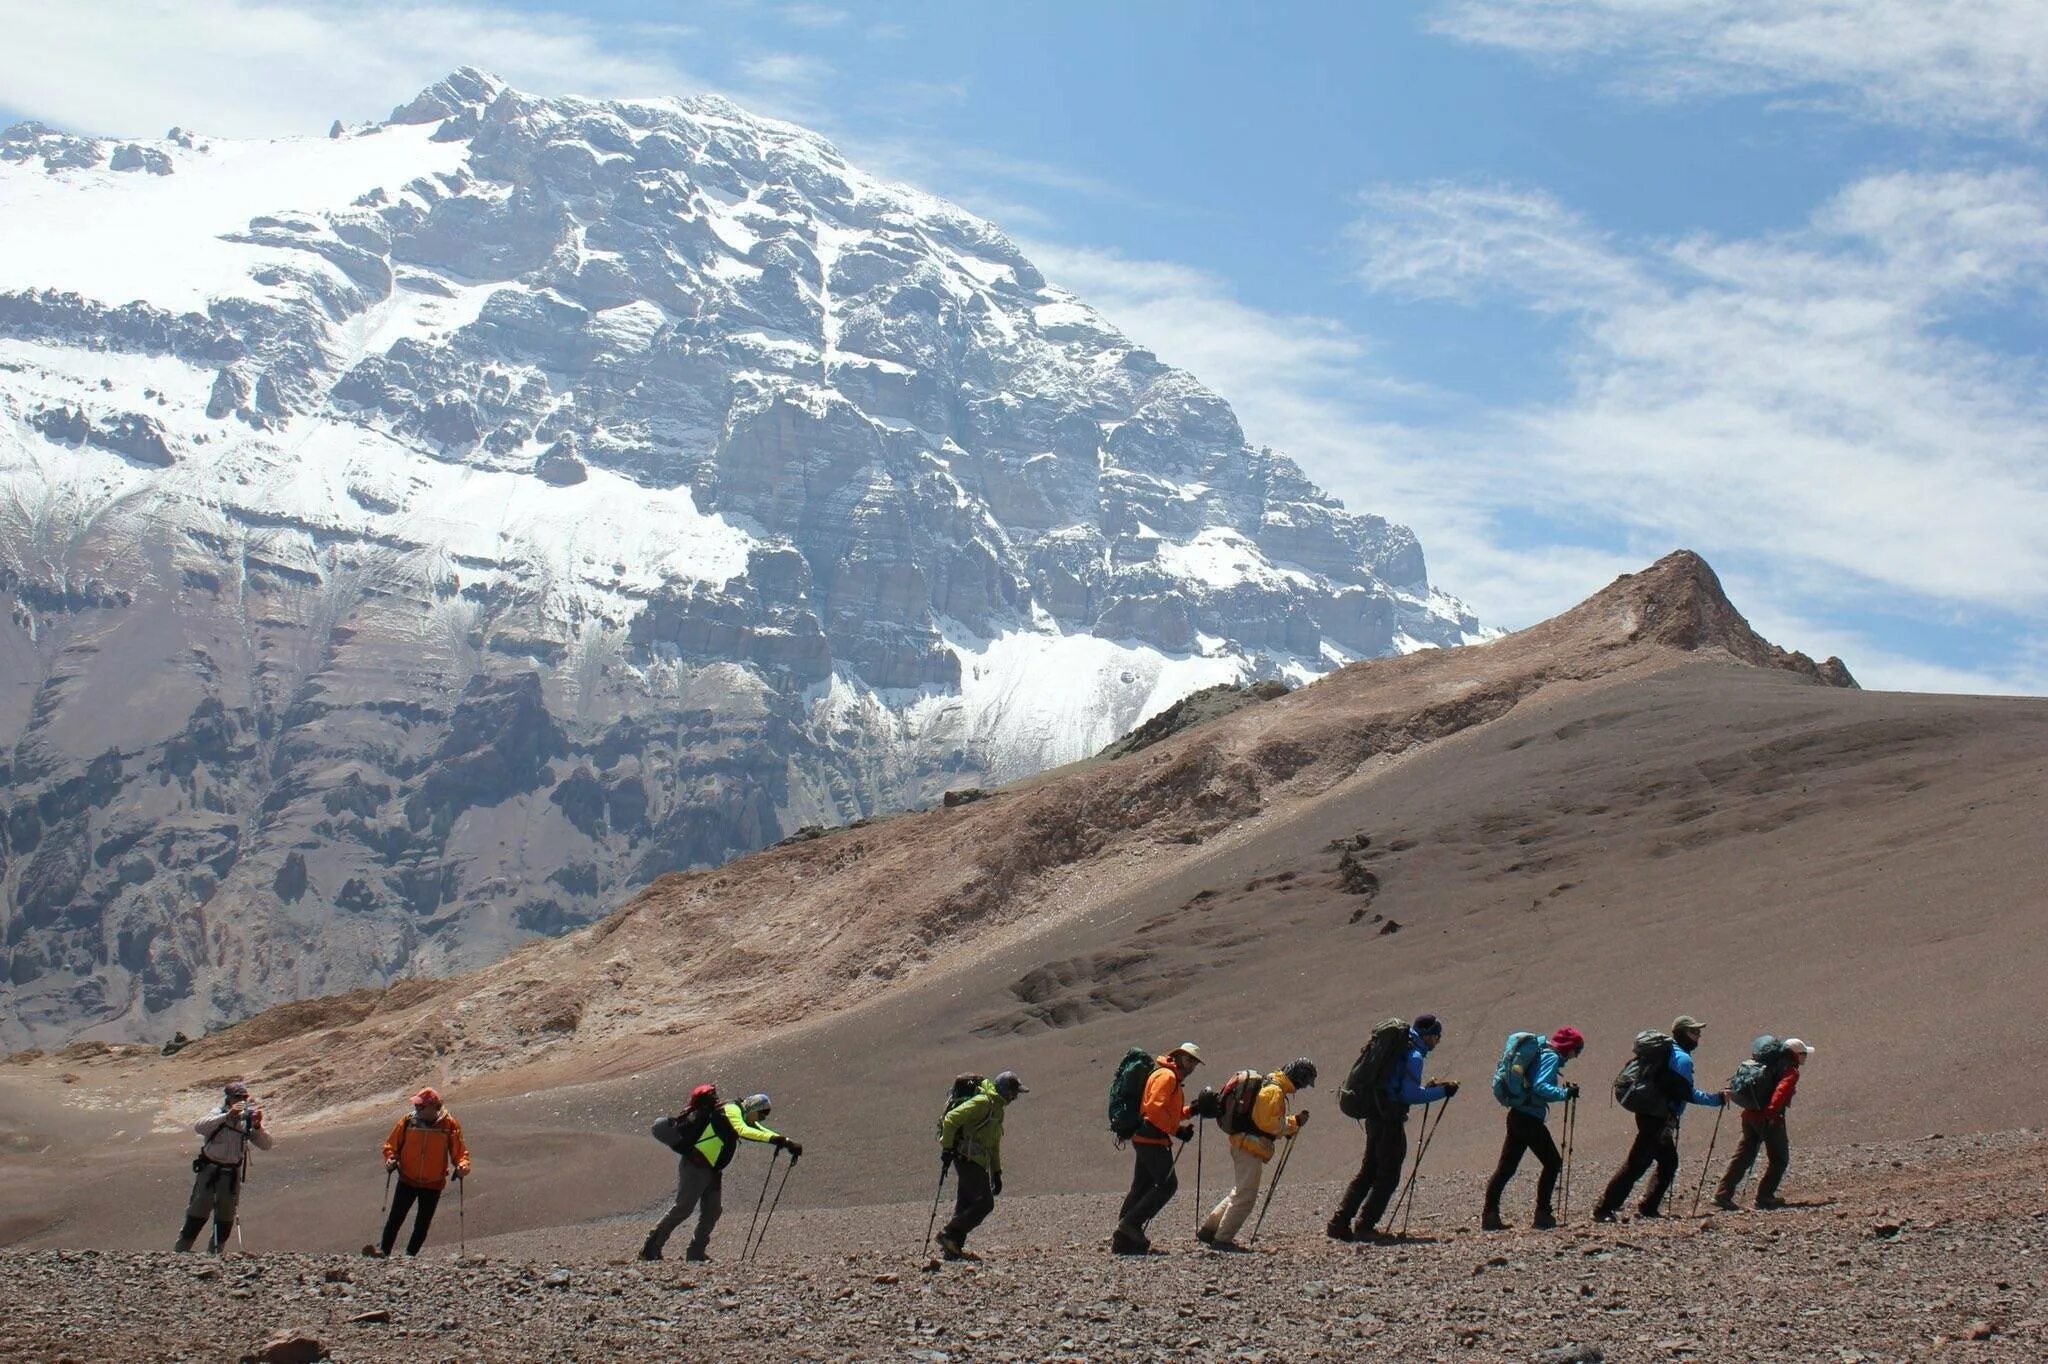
{"x":1571,"y":1089}
{"x":995,"y":1184}
{"x":1186,"y":1133}
{"x":946,"y":1159}
{"x":1450,"y":1089}
{"x":795,"y":1149}
{"x":1208,"y":1104}
{"x":1301,"y":1120}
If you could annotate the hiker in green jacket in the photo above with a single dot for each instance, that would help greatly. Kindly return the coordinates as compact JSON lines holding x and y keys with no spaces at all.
{"x":971,"y":1144}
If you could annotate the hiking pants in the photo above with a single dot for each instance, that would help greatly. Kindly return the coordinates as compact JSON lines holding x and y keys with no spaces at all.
{"x":1379,"y":1174}
{"x":1526,"y":1132}
{"x":699,"y":1189}
{"x":972,"y":1200}
{"x":1226,"y":1219}
{"x":216,"y":1191}
{"x":1656,"y":1144}
{"x":1777,"y":1147}
{"x":1153,"y":1184}
{"x":401,"y":1204}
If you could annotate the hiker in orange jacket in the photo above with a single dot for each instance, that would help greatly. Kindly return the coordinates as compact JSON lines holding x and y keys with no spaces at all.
{"x":424,"y":1147}
{"x":1164,"y":1115}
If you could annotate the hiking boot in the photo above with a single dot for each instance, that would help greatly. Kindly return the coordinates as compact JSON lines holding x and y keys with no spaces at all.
{"x":1128,"y":1240}
{"x":648,"y":1253}
{"x":1338,"y":1229}
{"x":952,"y":1248}
{"x":1651,"y":1212}
{"x":1771,"y":1204}
{"x":698,"y":1254}
{"x":1490,"y":1221}
{"x":1604,"y":1214}
{"x":1725,"y":1203}
{"x":1544,"y":1221}
{"x":1231,"y":1247}
{"x":1206,"y":1235}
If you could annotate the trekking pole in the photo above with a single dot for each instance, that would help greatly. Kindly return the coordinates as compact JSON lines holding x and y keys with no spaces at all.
{"x":462,"y":1218}
{"x":1421,"y":1150}
{"x":1198,"y":1174}
{"x":761,"y":1200}
{"x":1707,"y":1165}
{"x":769,"y":1220}
{"x":1278,"y":1170}
{"x":1571,"y":1125}
{"x":936,"y":1195}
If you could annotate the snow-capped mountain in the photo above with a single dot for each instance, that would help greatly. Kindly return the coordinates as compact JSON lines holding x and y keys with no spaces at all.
{"x":421,"y":535}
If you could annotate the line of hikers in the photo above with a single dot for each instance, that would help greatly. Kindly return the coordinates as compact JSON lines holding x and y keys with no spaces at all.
{"x":1149,"y":1109}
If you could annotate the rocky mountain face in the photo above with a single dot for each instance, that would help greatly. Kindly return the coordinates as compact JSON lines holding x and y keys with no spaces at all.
{"x":416,"y":537}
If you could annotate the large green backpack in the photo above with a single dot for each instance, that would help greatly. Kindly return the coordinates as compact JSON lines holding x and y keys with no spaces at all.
{"x":1127,"y":1092}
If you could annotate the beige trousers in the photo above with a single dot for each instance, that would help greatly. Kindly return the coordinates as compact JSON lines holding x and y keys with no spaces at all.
{"x":1227,"y":1218}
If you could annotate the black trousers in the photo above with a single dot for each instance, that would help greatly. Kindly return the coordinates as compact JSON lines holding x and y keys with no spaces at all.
{"x":401,"y":1203}
{"x":1777,"y":1146}
{"x":972,"y":1199}
{"x":1525,"y":1133}
{"x":1656,"y":1144}
{"x":1153,"y":1184}
{"x":1379,"y":1174}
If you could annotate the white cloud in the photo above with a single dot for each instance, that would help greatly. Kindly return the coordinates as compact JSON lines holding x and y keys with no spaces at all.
{"x":273,"y":67}
{"x":1969,"y":64}
{"x":813,"y":16}
{"x":787,"y":69}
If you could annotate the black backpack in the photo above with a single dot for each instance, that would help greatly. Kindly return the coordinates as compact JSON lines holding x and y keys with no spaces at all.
{"x":1647,"y":1084}
{"x":1240,"y":1092}
{"x":1364,"y":1094}
{"x":1755,"y":1079}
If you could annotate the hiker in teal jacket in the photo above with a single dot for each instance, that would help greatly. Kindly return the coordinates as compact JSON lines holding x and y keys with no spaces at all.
{"x":971,"y":1144}
{"x":1527,"y":1130}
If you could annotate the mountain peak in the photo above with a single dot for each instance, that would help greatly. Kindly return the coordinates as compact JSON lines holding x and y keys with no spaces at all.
{"x":463,"y":90}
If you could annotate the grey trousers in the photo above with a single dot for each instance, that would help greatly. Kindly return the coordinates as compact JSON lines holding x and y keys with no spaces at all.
{"x":216,"y":1192}
{"x":699,"y":1189}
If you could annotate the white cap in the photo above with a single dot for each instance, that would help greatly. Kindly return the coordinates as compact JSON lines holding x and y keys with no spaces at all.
{"x":1793,"y":1044}
{"x":1191,"y":1051}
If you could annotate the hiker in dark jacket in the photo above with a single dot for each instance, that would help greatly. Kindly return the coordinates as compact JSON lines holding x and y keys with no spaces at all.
{"x":971,"y":1145}
{"x":1656,"y":1140}
{"x":1164,"y":1115}
{"x":1386,"y":1138}
{"x":229,"y":1132}
{"x":1528,"y":1130}
{"x":707,"y":1136}
{"x":1765,"y":1127}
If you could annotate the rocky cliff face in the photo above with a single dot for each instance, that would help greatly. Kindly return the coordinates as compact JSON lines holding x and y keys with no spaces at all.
{"x":417,"y":536}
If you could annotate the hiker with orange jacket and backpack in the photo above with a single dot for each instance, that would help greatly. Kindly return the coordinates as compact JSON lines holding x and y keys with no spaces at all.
{"x":1163,"y":1118}
{"x":424,"y":1148}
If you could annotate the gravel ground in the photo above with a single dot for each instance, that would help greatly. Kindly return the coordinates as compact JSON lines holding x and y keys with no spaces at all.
{"x":1933,"y":1247}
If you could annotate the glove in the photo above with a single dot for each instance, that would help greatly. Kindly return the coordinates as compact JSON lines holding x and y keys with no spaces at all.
{"x":1208,"y":1103}
{"x":462,"y":1172}
{"x":795,"y":1149}
{"x":1571,"y":1089}
{"x":1186,"y":1133}
{"x":946,"y":1160}
{"x":1450,"y":1089}
{"x":995,"y":1184}
{"x":391,"y":1164}
{"x":1301,"y":1120}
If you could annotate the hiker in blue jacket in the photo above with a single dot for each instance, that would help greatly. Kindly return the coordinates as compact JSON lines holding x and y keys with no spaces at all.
{"x":1386,"y":1138}
{"x":1528,"y":1129}
{"x":1657,"y":1135}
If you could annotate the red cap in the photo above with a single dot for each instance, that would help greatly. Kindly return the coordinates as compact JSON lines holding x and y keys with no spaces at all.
{"x":1567,"y":1039}
{"x":429,"y":1095}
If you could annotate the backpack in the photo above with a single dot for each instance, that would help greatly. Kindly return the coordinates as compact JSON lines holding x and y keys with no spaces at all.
{"x":1755,"y":1079}
{"x":682,"y":1132}
{"x":1646,"y":1084}
{"x":963,"y":1088}
{"x":1240,"y":1092}
{"x":1515,"y":1076}
{"x":1127,"y":1092}
{"x":1364,"y":1094}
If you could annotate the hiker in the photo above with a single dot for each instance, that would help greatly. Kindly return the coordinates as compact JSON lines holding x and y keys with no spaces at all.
{"x":218,"y":1169}
{"x":971,"y":1145}
{"x":1251,"y":1146}
{"x":1386,"y":1129}
{"x":1765,"y":1127}
{"x":1657,"y":1129}
{"x":1528,"y":1094}
{"x":424,"y":1147}
{"x":1163,"y":1119}
{"x":707,"y":1135}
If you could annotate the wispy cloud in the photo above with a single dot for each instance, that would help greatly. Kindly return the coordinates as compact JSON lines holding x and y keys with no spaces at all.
{"x":787,"y":69}
{"x":262,"y":67}
{"x":812,"y":16}
{"x":1969,"y":64}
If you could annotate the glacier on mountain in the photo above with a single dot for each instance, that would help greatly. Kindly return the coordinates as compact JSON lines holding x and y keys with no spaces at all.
{"x":419,"y":536}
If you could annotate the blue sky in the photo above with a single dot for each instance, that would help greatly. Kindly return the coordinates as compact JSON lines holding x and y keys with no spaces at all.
{"x":1563,"y":284}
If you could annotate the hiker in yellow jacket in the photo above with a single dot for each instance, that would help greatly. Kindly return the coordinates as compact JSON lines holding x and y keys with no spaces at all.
{"x":1251,"y":1147}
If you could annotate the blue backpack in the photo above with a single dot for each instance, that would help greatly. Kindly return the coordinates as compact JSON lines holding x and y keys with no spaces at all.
{"x":1514,"y":1077}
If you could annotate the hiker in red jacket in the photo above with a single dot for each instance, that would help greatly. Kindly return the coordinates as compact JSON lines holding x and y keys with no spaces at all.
{"x":1765,"y":1127}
